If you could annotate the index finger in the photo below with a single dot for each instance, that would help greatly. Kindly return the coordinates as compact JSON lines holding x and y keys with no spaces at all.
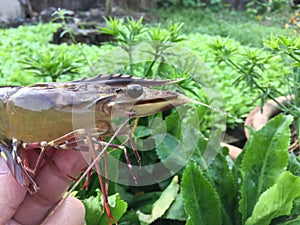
{"x":53,"y":184}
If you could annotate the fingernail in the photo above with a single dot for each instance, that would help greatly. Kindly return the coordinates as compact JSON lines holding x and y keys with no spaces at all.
{"x":3,"y":166}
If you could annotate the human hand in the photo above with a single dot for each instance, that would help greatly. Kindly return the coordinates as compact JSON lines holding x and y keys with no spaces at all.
{"x":18,"y":207}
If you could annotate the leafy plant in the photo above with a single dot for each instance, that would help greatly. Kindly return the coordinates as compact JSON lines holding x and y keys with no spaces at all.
{"x":256,"y":7}
{"x":95,"y":215}
{"x":212,"y":193}
{"x":237,"y":25}
{"x":126,"y":34}
{"x":290,"y":47}
{"x":130,"y":32}
{"x":258,"y":190}
{"x":53,"y":64}
{"x":255,"y":62}
{"x":260,"y":187}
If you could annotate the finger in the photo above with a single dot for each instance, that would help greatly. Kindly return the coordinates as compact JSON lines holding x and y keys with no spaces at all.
{"x":11,"y":193}
{"x":71,"y":211}
{"x":53,"y":185}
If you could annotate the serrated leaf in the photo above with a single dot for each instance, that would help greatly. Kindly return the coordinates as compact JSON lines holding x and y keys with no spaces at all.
{"x":264,"y":160}
{"x":162,"y":204}
{"x":219,"y":174}
{"x":276,"y":201}
{"x":201,"y":201}
{"x":171,"y":151}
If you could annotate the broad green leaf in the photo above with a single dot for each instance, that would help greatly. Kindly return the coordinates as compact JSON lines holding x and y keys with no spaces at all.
{"x":264,"y":160}
{"x":94,"y":212}
{"x":276,"y":201}
{"x":219,"y":174}
{"x":162,"y":204}
{"x":201,"y":201}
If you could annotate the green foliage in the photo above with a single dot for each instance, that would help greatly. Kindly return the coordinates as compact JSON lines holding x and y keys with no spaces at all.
{"x":202,"y":203}
{"x":257,"y":189}
{"x":15,"y":45}
{"x":225,"y":187}
{"x":267,"y":193}
{"x":276,"y":201}
{"x":94,"y":213}
{"x":162,"y":204}
{"x":252,"y":64}
{"x":289,"y":47}
{"x":54,"y":64}
{"x":237,"y":97}
{"x":227,"y":23}
{"x":26,"y":42}
{"x":190,"y":3}
{"x":128,"y":33}
{"x":256,"y":7}
{"x":222,"y":193}
{"x":261,"y":168}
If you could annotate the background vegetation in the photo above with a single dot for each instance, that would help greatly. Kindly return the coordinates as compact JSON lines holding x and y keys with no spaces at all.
{"x":239,"y":49}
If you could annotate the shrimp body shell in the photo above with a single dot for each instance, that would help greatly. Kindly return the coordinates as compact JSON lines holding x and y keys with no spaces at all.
{"x":46,"y":112}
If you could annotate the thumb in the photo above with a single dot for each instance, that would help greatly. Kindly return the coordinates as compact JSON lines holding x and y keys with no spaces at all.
{"x":11,"y":193}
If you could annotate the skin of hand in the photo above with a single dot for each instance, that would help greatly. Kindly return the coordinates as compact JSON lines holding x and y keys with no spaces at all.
{"x":18,"y":207}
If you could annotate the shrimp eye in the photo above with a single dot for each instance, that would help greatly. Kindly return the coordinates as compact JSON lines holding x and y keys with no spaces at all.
{"x":134,"y":90}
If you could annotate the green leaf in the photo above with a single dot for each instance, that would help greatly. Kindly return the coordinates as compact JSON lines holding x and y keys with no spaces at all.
{"x":222,"y":178}
{"x":176,"y":211}
{"x":294,"y":164}
{"x":296,"y":207}
{"x":142,"y":132}
{"x":162,"y":204}
{"x":129,"y":218}
{"x":295,"y":221}
{"x":93,"y":208}
{"x":94,"y":212}
{"x":276,"y":201}
{"x":219,"y":174}
{"x":201,"y":202}
{"x":264,"y":160}
{"x":171,"y":152}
